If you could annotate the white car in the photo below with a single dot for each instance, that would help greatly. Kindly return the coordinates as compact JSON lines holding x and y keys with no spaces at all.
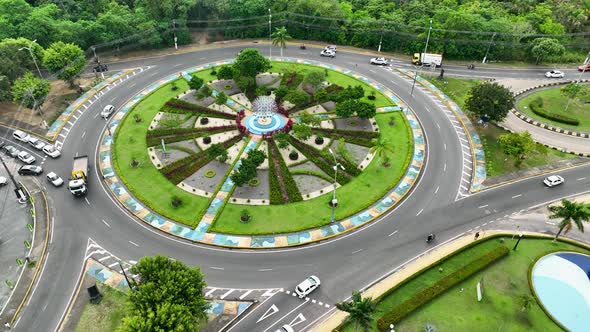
{"x":36,"y":143}
{"x":107,"y":111}
{"x":26,"y":157}
{"x":51,"y":151}
{"x":554,"y":74}
{"x":285,"y":328}
{"x":20,"y":135}
{"x":54,"y":179}
{"x":3,"y":181}
{"x":553,"y":180}
{"x":327,"y":52}
{"x":330,"y":48}
{"x":307,"y":286}
{"x":379,"y":61}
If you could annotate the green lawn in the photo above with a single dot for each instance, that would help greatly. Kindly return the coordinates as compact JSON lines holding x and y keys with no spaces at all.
{"x":456,"y":88}
{"x":373,"y":182}
{"x":554,"y":102}
{"x":205,"y":75}
{"x":335,"y":77}
{"x":458,"y":310}
{"x":107,"y":315}
{"x":498,"y":163}
{"x":145,"y":181}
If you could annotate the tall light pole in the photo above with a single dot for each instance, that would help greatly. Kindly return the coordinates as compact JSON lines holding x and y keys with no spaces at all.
{"x":30,"y":48}
{"x":269,"y":34}
{"x":485,"y":58}
{"x":380,"y":41}
{"x":20,"y":195}
{"x":174,"y":30}
{"x":425,"y":49}
{"x":578,"y":81}
{"x":334,"y":201}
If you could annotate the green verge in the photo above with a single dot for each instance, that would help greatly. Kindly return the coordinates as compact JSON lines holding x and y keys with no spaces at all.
{"x":373,"y":182}
{"x":504,"y":283}
{"x":130,"y":141}
{"x":335,"y":77}
{"x":554,"y":102}
{"x":107,"y":315}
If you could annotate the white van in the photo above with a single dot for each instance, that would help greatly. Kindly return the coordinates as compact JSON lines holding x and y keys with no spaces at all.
{"x":20,"y":135}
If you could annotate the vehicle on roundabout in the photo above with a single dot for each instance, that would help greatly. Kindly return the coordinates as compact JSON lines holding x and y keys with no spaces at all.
{"x":78,"y":184}
{"x":51,"y":151}
{"x":328,"y":53}
{"x":30,"y":170}
{"x":54,"y":179}
{"x":36,"y":143}
{"x":107,"y":111}
{"x":554,"y":74}
{"x":379,"y":61}
{"x":307,"y":286}
{"x":430,"y":238}
{"x":3,"y":181}
{"x":553,"y":180}
{"x":285,"y":328}
{"x":585,"y":67}
{"x":26,"y":157}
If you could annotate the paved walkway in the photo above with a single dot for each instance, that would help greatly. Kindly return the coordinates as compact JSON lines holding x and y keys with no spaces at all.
{"x":550,"y":138}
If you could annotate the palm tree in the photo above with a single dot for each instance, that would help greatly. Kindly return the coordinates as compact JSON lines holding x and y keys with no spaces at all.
{"x":570,"y":211}
{"x":360,"y":311}
{"x":382,"y":147}
{"x":280,"y":38}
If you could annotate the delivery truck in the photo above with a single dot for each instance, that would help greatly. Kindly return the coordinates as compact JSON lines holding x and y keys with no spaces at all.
{"x":78,"y":184}
{"x":427,"y":59}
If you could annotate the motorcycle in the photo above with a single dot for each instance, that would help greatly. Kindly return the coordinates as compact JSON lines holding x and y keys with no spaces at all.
{"x":302,"y":46}
{"x":471,"y":66}
{"x":430,"y":238}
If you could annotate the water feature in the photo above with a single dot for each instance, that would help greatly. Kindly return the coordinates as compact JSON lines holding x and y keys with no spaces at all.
{"x":265,"y":118}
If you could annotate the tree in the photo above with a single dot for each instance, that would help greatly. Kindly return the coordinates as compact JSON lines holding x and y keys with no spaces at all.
{"x":4,"y":88}
{"x":365,"y":110}
{"x":360,"y":310}
{"x":544,"y":47}
{"x":217,"y":151}
{"x":168,"y":297}
{"x":195,"y":83}
{"x":517,"y":145}
{"x":320,"y":96}
{"x":247,"y":84}
{"x":346,"y":108}
{"x":282,"y":140}
{"x":382,"y":147}
{"x":309,"y":119}
{"x":280,"y":38}
{"x":297,"y":97}
{"x":65,"y":60}
{"x":570,"y":212}
{"x":301,"y":131}
{"x":249,"y":63}
{"x":225,"y":72}
{"x":247,"y":169}
{"x":491,"y":100}
{"x":571,"y":90}
{"x":314,"y":78}
{"x":221,"y":98}
{"x":30,"y":90}
{"x":281,"y":92}
{"x":205,"y":91}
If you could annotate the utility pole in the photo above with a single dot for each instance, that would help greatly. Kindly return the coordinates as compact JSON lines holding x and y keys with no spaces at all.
{"x":578,"y":80}
{"x":269,"y":34}
{"x":30,"y":48}
{"x":380,"y":41}
{"x":174,"y":31}
{"x":425,"y":49}
{"x":126,"y":278}
{"x":334,"y":201}
{"x":20,"y":195}
{"x":485,"y":58}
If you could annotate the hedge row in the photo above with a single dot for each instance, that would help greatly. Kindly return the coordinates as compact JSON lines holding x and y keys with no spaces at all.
{"x":352,"y":140}
{"x":278,"y":194}
{"x":290,"y":184}
{"x":152,"y":141}
{"x":345,"y":132}
{"x":183,"y":105}
{"x":315,"y":156}
{"x":292,"y":79}
{"x":181,"y":131}
{"x":537,"y":107}
{"x":429,"y":293}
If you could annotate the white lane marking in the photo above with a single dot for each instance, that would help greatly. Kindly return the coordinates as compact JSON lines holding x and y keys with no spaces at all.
{"x":226,"y":294}
{"x":87,"y":201}
{"x":75,"y":117}
{"x":372,"y":71}
{"x":269,"y":312}
{"x":392,"y":234}
{"x":83,"y":134}
{"x":245,"y":294}
{"x":133,"y":243}
{"x":419,"y":212}
{"x":427,"y":110}
{"x":52,"y":223}
{"x":516,"y":196}
{"x":76,"y":154}
{"x":95,"y":115}
{"x":445,"y":168}
{"x":115,"y":263}
{"x":436,"y":189}
{"x":102,"y":259}
{"x":357,"y":251}
{"x":481,"y":207}
{"x":466,"y":173}
{"x":580,"y":179}
{"x":464,"y":188}
{"x":438,"y":126}
{"x":445,"y":146}
{"x":210,"y":291}
{"x":264,"y":270}
{"x":287,"y":314}
{"x":132,"y":262}
{"x":466,"y":181}
{"x":106,"y":223}
{"x":216,"y":268}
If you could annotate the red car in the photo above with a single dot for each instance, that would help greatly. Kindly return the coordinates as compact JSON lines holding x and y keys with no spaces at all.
{"x":585,"y":67}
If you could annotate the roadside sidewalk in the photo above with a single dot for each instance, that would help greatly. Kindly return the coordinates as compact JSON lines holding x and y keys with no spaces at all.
{"x":36,"y":259}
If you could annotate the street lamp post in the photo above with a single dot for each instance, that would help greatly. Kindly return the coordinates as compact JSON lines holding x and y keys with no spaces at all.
{"x":520,"y":235}
{"x":30,"y":48}
{"x":380,"y":41}
{"x":174,"y":30}
{"x":20,"y":195}
{"x":485,"y":58}
{"x":425,"y":49}
{"x":578,"y":81}
{"x":269,"y":34}
{"x":126,"y":278}
{"x":334,"y":201}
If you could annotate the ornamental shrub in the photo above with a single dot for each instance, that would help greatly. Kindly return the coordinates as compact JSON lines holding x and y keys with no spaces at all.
{"x":537,"y":107}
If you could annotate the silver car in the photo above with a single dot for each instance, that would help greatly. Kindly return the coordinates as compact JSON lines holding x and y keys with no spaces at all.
{"x":307,"y":286}
{"x":107,"y":111}
{"x":26,"y":157}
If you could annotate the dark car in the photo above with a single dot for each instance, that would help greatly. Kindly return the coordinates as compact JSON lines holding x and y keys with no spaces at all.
{"x":100,"y":68}
{"x":30,"y":170}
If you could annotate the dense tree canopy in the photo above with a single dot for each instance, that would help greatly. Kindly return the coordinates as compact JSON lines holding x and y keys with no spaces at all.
{"x":30,"y":90}
{"x":491,"y":100}
{"x":65,"y":60}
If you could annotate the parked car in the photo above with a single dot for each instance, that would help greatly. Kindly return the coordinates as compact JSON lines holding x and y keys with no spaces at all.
{"x":51,"y":151}
{"x":285,"y":328}
{"x":307,"y":286}
{"x":3,"y":181}
{"x":585,"y":67}
{"x":100,"y":68}
{"x":553,"y":180}
{"x":26,"y":157}
{"x":30,"y":170}
{"x":107,"y":111}
{"x":554,"y":74}
{"x":328,"y":53}
{"x":54,"y":179}
{"x":379,"y":61}
{"x":36,"y":143}
{"x":20,"y":135}
{"x":10,"y":150}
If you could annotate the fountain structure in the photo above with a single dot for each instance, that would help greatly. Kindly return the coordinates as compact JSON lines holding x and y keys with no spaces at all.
{"x":265,"y":119}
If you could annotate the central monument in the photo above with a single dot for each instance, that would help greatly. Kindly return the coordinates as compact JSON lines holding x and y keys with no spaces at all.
{"x":265,"y":118}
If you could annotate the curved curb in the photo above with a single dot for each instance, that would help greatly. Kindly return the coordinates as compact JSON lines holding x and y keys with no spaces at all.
{"x":544,"y":125}
{"x":200,"y":234}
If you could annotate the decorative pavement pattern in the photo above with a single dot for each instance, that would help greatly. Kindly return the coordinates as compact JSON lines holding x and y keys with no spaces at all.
{"x":200,"y":234}
{"x":478,"y":173}
{"x":55,"y":132}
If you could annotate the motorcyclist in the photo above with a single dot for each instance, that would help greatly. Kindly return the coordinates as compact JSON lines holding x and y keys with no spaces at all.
{"x":430,"y":237}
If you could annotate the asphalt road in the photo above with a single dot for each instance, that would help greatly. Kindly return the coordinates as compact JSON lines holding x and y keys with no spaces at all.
{"x":349,"y":262}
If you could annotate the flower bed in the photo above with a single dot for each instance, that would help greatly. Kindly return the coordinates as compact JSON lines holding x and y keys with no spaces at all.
{"x":174,"y":105}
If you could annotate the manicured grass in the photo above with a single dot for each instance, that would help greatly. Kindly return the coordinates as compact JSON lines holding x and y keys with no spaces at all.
{"x":205,"y":75}
{"x":336,"y":78}
{"x":498,"y":163}
{"x":456,"y":88}
{"x":555,"y":102}
{"x":105,"y":316}
{"x":145,"y":181}
{"x":373,"y":183}
{"x":458,"y":309}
